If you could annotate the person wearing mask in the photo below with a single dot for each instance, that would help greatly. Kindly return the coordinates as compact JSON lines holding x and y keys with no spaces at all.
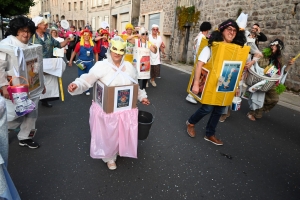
{"x":107,"y":130}
{"x":204,"y":30}
{"x":48,"y":42}
{"x":228,"y":32}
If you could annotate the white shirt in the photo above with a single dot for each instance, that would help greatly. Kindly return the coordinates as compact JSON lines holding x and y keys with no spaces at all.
{"x":205,"y":54}
{"x":155,"y":57}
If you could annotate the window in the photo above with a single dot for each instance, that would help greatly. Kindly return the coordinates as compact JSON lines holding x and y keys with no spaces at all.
{"x":75,"y":5}
{"x":106,"y":18}
{"x":99,"y":3}
{"x":69,"y":6}
{"x":154,"y":19}
{"x":93,"y":23}
{"x":99,"y":20}
{"x":81,"y":5}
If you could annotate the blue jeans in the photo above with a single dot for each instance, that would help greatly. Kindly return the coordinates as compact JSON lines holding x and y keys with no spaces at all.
{"x":88,"y":66}
{"x":213,"y":119}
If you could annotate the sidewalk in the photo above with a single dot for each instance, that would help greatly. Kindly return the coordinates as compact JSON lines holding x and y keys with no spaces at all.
{"x":286,"y":99}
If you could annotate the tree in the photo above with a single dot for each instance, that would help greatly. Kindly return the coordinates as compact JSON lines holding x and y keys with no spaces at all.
{"x":10,"y":8}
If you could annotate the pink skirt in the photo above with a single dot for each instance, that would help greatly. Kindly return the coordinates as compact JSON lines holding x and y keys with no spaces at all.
{"x":113,"y":133}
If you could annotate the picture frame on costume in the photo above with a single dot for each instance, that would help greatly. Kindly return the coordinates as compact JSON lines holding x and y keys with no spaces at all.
{"x":32,"y":77}
{"x":202,"y":83}
{"x":123,"y":98}
{"x":229,"y":76}
{"x":99,"y":92}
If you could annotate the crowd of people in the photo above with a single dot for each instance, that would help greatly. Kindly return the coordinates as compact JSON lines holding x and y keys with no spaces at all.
{"x":118,"y":60}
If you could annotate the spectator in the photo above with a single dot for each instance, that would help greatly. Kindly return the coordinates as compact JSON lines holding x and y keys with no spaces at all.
{"x":259,"y":36}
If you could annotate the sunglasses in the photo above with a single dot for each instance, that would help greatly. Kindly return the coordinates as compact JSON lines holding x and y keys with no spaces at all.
{"x":144,"y":34}
{"x":86,"y":33}
{"x":155,"y":29}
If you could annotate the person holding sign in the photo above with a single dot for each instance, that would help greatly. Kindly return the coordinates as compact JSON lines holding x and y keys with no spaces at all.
{"x":228,"y":32}
{"x":142,"y":56}
{"x":21,"y":29}
{"x":112,"y":133}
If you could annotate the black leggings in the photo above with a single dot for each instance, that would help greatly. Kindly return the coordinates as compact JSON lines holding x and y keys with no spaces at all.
{"x":144,"y":83}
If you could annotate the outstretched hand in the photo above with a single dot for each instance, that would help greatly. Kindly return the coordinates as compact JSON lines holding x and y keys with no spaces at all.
{"x":145,"y":101}
{"x":72,"y":87}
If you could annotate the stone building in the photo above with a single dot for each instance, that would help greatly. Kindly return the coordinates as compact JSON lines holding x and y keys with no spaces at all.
{"x":277,"y":19}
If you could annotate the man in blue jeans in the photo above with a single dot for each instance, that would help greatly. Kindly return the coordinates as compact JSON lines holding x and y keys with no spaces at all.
{"x":228,"y":32}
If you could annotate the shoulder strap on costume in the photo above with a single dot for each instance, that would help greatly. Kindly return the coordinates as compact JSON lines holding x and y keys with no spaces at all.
{"x":119,"y":71}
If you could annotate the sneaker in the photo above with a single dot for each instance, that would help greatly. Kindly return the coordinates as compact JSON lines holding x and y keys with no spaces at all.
{"x":191,"y":99}
{"x":111,"y":165}
{"x":87,"y":94}
{"x":190,"y":129}
{"x":153,"y":83}
{"x":74,"y":62}
{"x":147,"y":85}
{"x":29,"y":143}
{"x":68,"y":61}
{"x":213,"y":140}
{"x":158,"y":77}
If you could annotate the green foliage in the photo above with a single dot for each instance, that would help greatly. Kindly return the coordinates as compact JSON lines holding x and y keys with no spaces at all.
{"x":10,"y":8}
{"x":186,"y":16}
{"x":267,"y":52}
{"x":280,"y":88}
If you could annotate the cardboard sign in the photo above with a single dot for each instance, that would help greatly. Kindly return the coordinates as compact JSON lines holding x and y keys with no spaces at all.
{"x":224,"y":70}
{"x":115,"y":98}
{"x":141,"y":61}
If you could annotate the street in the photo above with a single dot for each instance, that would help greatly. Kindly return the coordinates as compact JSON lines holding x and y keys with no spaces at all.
{"x":259,"y":160}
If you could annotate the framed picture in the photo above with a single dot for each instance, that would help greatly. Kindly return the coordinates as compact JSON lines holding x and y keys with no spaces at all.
{"x":202,"y":83}
{"x":99,"y":93}
{"x":229,"y":76}
{"x":32,"y":74}
{"x":123,"y":98}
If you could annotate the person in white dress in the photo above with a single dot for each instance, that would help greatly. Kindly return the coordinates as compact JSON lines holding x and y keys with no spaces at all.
{"x":155,"y":39}
{"x":109,"y":129}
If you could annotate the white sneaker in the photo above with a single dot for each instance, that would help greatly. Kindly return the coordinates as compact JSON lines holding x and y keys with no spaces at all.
{"x":153,"y":83}
{"x":147,"y":85}
{"x":68,"y":61}
{"x":111,"y":165}
{"x":87,"y":94}
{"x":158,"y":77}
{"x":191,"y":99}
{"x":74,"y":62}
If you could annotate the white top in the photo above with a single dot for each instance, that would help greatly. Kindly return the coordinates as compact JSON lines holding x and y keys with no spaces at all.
{"x":103,"y":72}
{"x":155,"y":57}
{"x":198,"y":40}
{"x":205,"y":54}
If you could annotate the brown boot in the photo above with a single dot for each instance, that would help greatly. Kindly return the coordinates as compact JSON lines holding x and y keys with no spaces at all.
{"x":213,"y":140}
{"x":191,"y":129}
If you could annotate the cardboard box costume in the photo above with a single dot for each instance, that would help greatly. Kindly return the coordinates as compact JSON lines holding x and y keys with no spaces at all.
{"x":220,"y":75}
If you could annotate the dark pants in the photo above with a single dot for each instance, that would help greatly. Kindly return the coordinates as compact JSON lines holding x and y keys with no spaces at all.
{"x":213,"y":119}
{"x":69,"y":53}
{"x":144,"y":83}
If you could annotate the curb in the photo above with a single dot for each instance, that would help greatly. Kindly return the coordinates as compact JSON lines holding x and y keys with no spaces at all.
{"x":287,"y":99}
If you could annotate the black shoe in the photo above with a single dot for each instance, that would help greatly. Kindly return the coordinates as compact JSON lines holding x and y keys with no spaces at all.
{"x":30,"y":143}
{"x":46,"y":104}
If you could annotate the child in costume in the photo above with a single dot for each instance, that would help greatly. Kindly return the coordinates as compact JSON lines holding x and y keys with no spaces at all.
{"x":115,"y":133}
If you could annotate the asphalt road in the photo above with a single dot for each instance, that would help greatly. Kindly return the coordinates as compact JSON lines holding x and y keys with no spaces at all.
{"x":259,"y":160}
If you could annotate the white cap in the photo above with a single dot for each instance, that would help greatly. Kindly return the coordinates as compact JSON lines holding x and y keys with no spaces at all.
{"x":37,"y":20}
{"x":142,"y":30}
{"x":155,"y":26}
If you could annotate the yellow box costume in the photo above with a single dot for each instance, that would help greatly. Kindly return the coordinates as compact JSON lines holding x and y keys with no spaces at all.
{"x":220,"y":74}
